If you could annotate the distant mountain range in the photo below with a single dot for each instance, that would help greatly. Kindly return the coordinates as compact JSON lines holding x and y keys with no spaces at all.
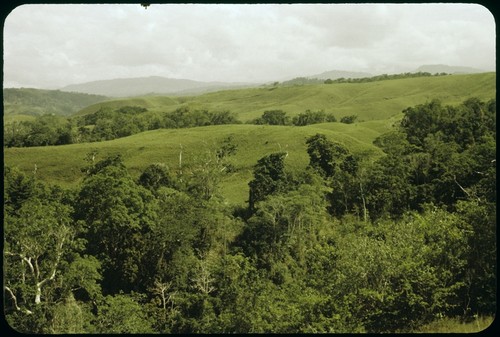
{"x":335,"y":74}
{"x":127,"y":87}
{"x":156,"y":85}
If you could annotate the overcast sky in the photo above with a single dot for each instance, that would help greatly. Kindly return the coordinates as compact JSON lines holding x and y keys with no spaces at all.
{"x":50,"y":46}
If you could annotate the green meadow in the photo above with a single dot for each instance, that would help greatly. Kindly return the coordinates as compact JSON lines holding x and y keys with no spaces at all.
{"x":378,"y":106}
{"x":369,"y":101}
{"x":61,"y":164}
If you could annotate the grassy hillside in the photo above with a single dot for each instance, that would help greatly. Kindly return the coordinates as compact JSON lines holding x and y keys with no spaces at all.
{"x":377,"y":104}
{"x":370,"y":101}
{"x":61,"y":164}
{"x":23,"y":102}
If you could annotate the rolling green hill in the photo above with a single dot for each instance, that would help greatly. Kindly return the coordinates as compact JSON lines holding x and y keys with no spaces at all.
{"x":378,"y":106}
{"x":61,"y":164}
{"x":370,"y":101}
{"x":18,"y":103}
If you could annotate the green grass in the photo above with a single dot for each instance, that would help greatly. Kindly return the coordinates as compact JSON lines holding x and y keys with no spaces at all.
{"x":32,"y":102}
{"x":455,"y":325}
{"x":378,"y":106}
{"x":370,"y":101}
{"x":61,"y":164}
{"x":7,"y":119}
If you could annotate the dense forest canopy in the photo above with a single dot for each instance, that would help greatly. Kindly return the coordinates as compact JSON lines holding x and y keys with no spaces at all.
{"x":345,"y":245}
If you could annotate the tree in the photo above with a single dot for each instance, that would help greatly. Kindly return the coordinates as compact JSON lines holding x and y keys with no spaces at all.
{"x":18,"y":188}
{"x":156,"y":176}
{"x":273,"y":117}
{"x":117,"y":213}
{"x":348,"y":119}
{"x":313,"y":117}
{"x":36,"y":240}
{"x":121,"y":314}
{"x":269,"y":177}
{"x":388,"y":187}
{"x":325,"y":156}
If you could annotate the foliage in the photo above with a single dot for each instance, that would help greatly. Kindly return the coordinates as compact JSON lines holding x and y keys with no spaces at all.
{"x":313,"y":117}
{"x":273,"y":117}
{"x":339,"y":244}
{"x":348,"y":119}
{"x":269,"y":177}
{"x":106,"y":124}
{"x":116,"y":213}
{"x":122,"y":314}
{"x":29,"y":101}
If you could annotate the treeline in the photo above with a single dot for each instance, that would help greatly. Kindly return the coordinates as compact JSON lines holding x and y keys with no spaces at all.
{"x":308,"y":117}
{"x":382,"y":77}
{"x":108,"y":124}
{"x":36,"y":102}
{"x":345,"y":245}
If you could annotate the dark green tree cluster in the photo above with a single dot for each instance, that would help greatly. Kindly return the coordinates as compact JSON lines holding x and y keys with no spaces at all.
{"x":272,"y":117}
{"x":279,"y":117}
{"x":106,"y":124}
{"x":44,"y":130}
{"x":313,"y":117}
{"x":348,"y":119}
{"x":342,"y":246}
{"x":383,"y":77}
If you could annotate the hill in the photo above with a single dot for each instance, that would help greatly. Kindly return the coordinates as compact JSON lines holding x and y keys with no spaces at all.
{"x":127,"y":87}
{"x":61,"y":164}
{"x":34,"y":102}
{"x":334,"y":74}
{"x":369,"y":101}
{"x":442,"y":68}
{"x":378,"y":106}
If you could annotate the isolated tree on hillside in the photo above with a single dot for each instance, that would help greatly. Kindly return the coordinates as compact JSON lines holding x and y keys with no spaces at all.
{"x":273,"y":117}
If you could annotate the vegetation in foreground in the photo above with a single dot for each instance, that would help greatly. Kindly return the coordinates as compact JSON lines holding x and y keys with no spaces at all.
{"x":458,"y":325}
{"x":343,"y":245}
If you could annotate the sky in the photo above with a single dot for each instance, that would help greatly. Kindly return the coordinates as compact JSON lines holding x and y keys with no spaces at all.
{"x":51,"y":46}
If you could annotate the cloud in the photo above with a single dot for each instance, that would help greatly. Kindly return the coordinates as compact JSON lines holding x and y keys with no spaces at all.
{"x":56,"y":45}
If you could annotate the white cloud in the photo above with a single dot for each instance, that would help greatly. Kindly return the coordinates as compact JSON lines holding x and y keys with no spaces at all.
{"x":56,"y":45}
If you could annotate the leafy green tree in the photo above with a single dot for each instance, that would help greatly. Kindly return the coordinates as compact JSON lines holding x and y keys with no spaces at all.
{"x":117,"y":213}
{"x":388,"y":186}
{"x":480,"y":291}
{"x":348,"y":119}
{"x":43,"y":266}
{"x":289,"y":219}
{"x":36,"y":240}
{"x":223,"y":117}
{"x":325,"y":155}
{"x":122,"y":314}
{"x":395,"y":275}
{"x":18,"y":188}
{"x":156,"y":176}
{"x":269,"y":177}
{"x":340,"y":170}
{"x":273,"y":117}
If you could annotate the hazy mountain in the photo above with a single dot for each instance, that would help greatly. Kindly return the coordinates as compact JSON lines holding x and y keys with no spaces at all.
{"x":127,"y":87}
{"x":443,"y":68}
{"x":334,"y":74}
